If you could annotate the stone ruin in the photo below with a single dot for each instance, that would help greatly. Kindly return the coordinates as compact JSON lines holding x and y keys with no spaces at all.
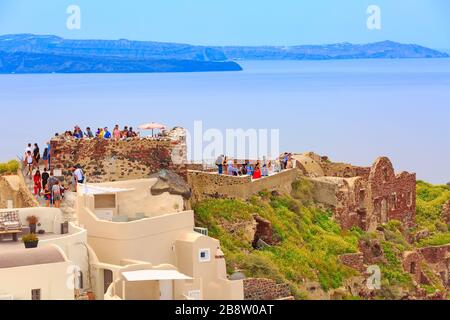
{"x":363,"y":197}
{"x":108,"y":160}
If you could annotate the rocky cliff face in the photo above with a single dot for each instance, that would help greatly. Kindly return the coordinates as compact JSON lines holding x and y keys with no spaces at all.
{"x":379,"y":50}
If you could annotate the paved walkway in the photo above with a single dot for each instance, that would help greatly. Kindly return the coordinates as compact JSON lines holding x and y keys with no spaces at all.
{"x":67,"y":205}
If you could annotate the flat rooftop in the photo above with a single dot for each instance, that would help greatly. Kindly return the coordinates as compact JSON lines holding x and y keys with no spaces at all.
{"x":7,"y":245}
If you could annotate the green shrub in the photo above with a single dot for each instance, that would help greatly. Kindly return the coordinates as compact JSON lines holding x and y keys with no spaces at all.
{"x":302,"y":190}
{"x":436,"y":240}
{"x":310,"y":240}
{"x":9,"y":167}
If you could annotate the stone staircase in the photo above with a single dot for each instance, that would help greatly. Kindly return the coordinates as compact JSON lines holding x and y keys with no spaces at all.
{"x":67,"y":205}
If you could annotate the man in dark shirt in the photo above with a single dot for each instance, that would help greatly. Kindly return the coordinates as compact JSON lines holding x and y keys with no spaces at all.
{"x":45,"y":176}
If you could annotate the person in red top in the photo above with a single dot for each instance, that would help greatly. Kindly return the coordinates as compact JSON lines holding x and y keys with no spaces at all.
{"x":37,"y":183}
{"x":257,"y":173}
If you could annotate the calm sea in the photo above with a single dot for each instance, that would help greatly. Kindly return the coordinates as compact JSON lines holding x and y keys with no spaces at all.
{"x":350,"y":110}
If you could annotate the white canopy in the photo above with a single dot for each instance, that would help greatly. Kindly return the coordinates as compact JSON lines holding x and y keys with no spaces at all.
{"x":96,"y":190}
{"x":154,"y":275}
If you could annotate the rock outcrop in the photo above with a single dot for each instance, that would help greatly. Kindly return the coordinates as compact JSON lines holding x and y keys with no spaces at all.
{"x":13,"y":187}
{"x":172,"y":183}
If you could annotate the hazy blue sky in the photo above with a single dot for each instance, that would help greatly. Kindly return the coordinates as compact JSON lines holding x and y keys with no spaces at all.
{"x":252,"y":22}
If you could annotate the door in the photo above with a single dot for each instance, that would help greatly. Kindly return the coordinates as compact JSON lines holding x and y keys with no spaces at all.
{"x":166,"y":289}
{"x":108,"y":279}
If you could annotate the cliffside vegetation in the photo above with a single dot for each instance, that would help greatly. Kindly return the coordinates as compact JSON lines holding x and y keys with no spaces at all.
{"x":430,"y":200}
{"x":309,"y":247}
{"x":310,"y":241}
{"x":9,"y":167}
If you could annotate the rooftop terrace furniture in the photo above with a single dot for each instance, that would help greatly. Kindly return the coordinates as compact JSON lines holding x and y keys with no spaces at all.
{"x":121,"y":219}
{"x":10,"y":224}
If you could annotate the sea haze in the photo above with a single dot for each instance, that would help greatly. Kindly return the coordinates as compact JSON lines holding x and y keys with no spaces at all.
{"x":351,"y":110}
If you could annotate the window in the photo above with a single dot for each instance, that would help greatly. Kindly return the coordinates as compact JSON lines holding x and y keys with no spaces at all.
{"x":413,"y":268}
{"x":205,"y":255}
{"x":36,"y":294}
{"x":80,"y":280}
{"x":194,"y":295}
{"x":385,"y":175}
{"x":394,"y":201}
{"x":410,"y":198}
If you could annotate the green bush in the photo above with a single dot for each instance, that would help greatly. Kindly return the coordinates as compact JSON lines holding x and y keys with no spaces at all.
{"x":9,"y":167}
{"x":310,"y":241}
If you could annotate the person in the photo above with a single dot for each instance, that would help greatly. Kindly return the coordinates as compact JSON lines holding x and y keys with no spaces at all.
{"x":265,"y":168}
{"x":98,"y":133}
{"x":44,"y":178}
{"x":106,"y":133}
{"x":224,"y":164}
{"x":51,"y":182}
{"x":47,"y":196}
{"x":63,"y":191}
{"x":77,"y":133}
{"x":36,"y":154}
{"x":244,"y":169}
{"x":285,"y":160}
{"x":49,"y":155}
{"x":290,"y":163}
{"x":230,"y":168}
{"x":249,"y":169}
{"x":56,"y":192}
{"x":28,"y":148}
{"x":45,"y":157}
{"x":37,"y":183}
{"x":131,"y":133}
{"x":257,"y":173}
{"x":125,"y":133}
{"x":78,"y":176}
{"x":29,"y":161}
{"x":219,"y":163}
{"x":116,"y":133}
{"x":89,"y":133}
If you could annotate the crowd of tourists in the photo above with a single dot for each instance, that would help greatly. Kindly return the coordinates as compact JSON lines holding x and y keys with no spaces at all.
{"x":45,"y":184}
{"x":257,"y":170}
{"x":101,"y":133}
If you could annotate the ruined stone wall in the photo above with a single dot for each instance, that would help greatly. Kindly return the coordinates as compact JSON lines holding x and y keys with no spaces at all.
{"x":391,"y":196}
{"x":435,"y":255}
{"x":369,"y":200}
{"x":436,"y":260}
{"x":344,"y":170}
{"x":108,"y":160}
{"x":265,"y":289}
{"x":354,"y":261}
{"x":313,"y":164}
{"x":210,"y":185}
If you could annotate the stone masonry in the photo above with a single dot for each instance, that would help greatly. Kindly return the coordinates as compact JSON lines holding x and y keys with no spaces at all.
{"x":363,"y":197}
{"x":265,"y":289}
{"x":108,"y":160}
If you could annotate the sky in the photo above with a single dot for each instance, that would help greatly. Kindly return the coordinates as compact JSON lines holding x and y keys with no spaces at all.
{"x":235,"y":22}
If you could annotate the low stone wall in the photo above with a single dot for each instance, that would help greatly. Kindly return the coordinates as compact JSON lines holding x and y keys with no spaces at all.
{"x":354,"y":261}
{"x":265,"y":289}
{"x":109,"y":160}
{"x":435,"y":255}
{"x":210,"y":185}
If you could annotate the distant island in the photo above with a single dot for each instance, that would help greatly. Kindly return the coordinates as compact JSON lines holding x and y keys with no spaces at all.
{"x":28,"y":53}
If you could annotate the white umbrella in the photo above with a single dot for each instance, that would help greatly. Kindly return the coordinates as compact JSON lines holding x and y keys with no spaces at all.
{"x":152,"y":126}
